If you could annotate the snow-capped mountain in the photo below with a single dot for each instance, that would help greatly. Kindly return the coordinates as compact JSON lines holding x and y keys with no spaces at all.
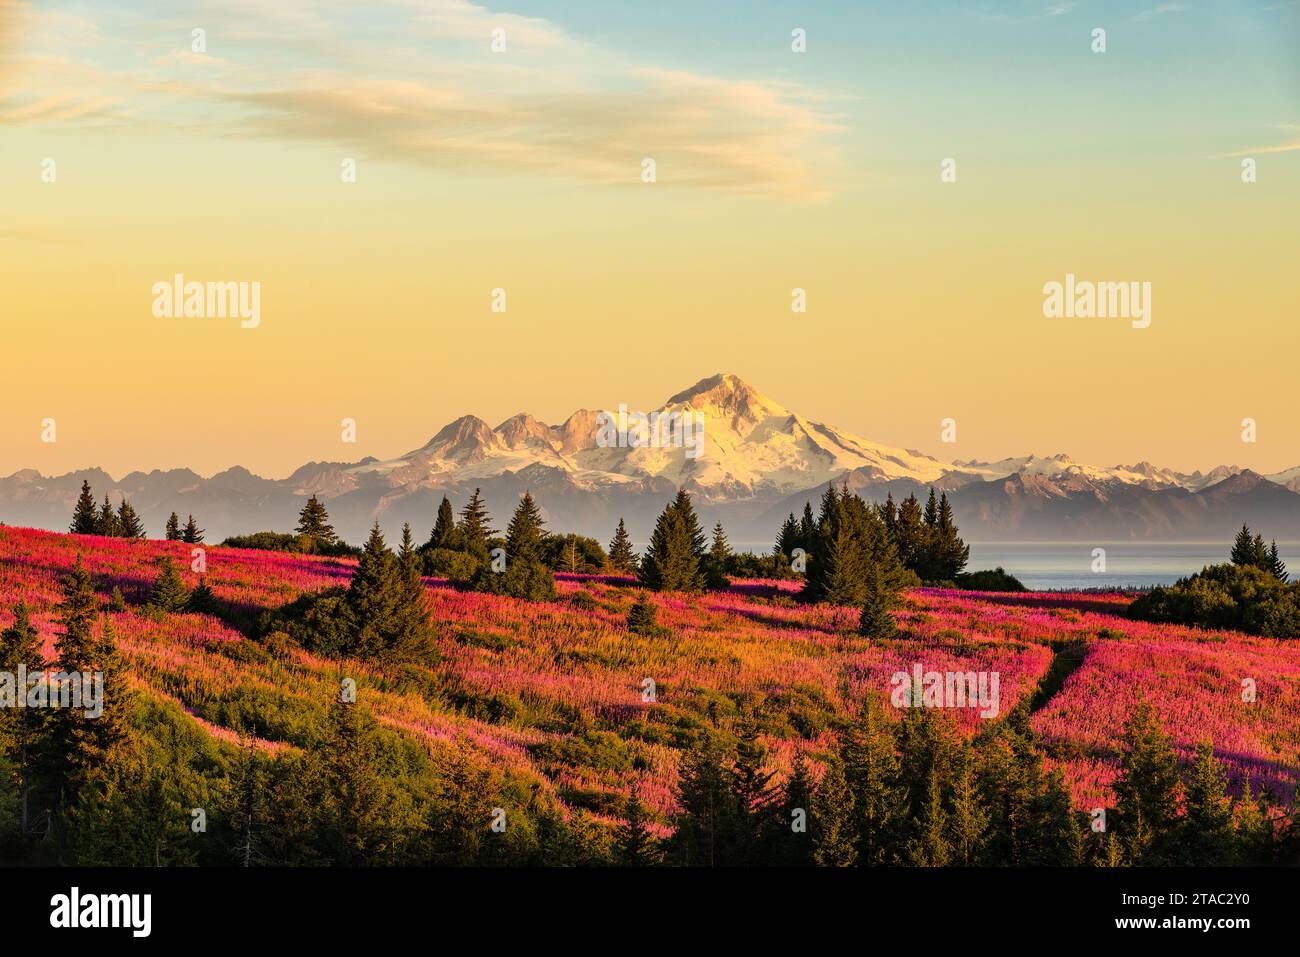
{"x":752,"y":461}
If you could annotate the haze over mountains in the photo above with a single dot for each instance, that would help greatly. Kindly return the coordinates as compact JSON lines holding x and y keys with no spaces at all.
{"x":759,"y":461}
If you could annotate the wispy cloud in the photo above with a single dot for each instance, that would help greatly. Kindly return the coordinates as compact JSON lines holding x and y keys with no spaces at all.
{"x":1160,"y":11}
{"x":1025,"y":12}
{"x":1287,"y":147}
{"x":415,"y":81}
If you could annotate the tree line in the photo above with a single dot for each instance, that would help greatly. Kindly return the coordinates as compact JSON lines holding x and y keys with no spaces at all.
{"x":911,"y":792}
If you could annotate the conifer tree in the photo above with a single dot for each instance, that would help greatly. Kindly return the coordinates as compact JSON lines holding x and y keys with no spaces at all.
{"x":622,"y":557}
{"x":106,"y":524}
{"x":444,"y":527}
{"x":85,"y":516}
{"x":929,"y":846}
{"x":949,"y":553}
{"x":831,"y":820}
{"x":643,"y":618}
{"x":672,"y":562}
{"x":1207,"y":838}
{"x":1276,"y":565}
{"x":192,"y":534}
{"x":20,"y":728}
{"x":910,"y":534}
{"x":879,"y":596}
{"x":202,"y":600}
{"x":524,"y":534}
{"x":931,"y":515}
{"x":169,"y":592}
{"x":807,"y":528}
{"x":791,"y":841}
{"x":1146,"y":791}
{"x":635,"y":845}
{"x":128,"y":522}
{"x":389,"y":606}
{"x":475,"y":527}
{"x":248,"y":813}
{"x":715,"y":563}
{"x":77,"y":613}
{"x":872,"y":771}
{"x":706,"y":819}
{"x":173,"y":531}
{"x":314,"y":522}
{"x":969,"y":819}
{"x":1243,"y":547}
{"x":355,"y":823}
{"x":788,"y":539}
{"x":750,"y":786}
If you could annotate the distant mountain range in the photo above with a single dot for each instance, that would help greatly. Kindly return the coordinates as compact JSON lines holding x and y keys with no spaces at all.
{"x":759,"y":461}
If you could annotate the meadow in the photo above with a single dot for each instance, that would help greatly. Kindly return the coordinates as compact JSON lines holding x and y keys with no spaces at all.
{"x":562,"y":695}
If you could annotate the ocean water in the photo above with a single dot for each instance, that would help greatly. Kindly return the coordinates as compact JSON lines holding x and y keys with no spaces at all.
{"x":1128,"y":564}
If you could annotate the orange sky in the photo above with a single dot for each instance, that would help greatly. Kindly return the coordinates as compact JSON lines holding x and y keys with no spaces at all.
{"x":522,"y":170}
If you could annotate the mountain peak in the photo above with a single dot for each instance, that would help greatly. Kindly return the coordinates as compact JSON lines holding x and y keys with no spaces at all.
{"x":727,"y":394}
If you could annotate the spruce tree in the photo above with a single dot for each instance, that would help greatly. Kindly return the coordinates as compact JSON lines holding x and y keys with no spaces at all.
{"x":21,"y":728}
{"x":202,"y":600}
{"x":128,"y":522}
{"x":707,"y":816}
{"x":168,"y":592}
{"x":715,"y":563}
{"x":106,"y":524}
{"x":1207,"y":838}
{"x":807,"y":528}
{"x":672,"y":562}
{"x":754,"y":799}
{"x":622,"y":557}
{"x":788,"y":539}
{"x":1146,"y":791}
{"x":791,"y":841}
{"x":387,"y":600}
{"x":77,"y":613}
{"x":910,"y":534}
{"x":830,"y":820}
{"x":173,"y":531}
{"x":635,"y":845}
{"x":879,"y":596}
{"x":1243,"y":547}
{"x":444,"y":527}
{"x":525,"y":532}
{"x":474,"y":527}
{"x":929,"y":845}
{"x":643,"y":618}
{"x":871,"y":768}
{"x":1276,"y":565}
{"x":192,"y":534}
{"x":85,"y":516}
{"x":968,"y":819}
{"x":949,"y":554}
{"x":314,"y":523}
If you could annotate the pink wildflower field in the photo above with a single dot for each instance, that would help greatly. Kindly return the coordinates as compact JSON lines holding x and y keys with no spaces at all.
{"x":511,"y":680}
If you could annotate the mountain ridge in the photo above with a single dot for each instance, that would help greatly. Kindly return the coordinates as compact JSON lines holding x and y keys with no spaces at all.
{"x":755,"y":456}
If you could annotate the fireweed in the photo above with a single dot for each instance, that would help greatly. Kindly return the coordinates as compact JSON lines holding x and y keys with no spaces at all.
{"x":541,"y":659}
{"x":53,"y":689}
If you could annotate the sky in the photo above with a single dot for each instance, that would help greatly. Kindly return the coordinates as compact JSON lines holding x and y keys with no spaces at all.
{"x":522,"y":169}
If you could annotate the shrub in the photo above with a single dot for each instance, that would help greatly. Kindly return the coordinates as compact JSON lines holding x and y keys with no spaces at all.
{"x":1240,"y":597}
{"x":989,"y":580}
